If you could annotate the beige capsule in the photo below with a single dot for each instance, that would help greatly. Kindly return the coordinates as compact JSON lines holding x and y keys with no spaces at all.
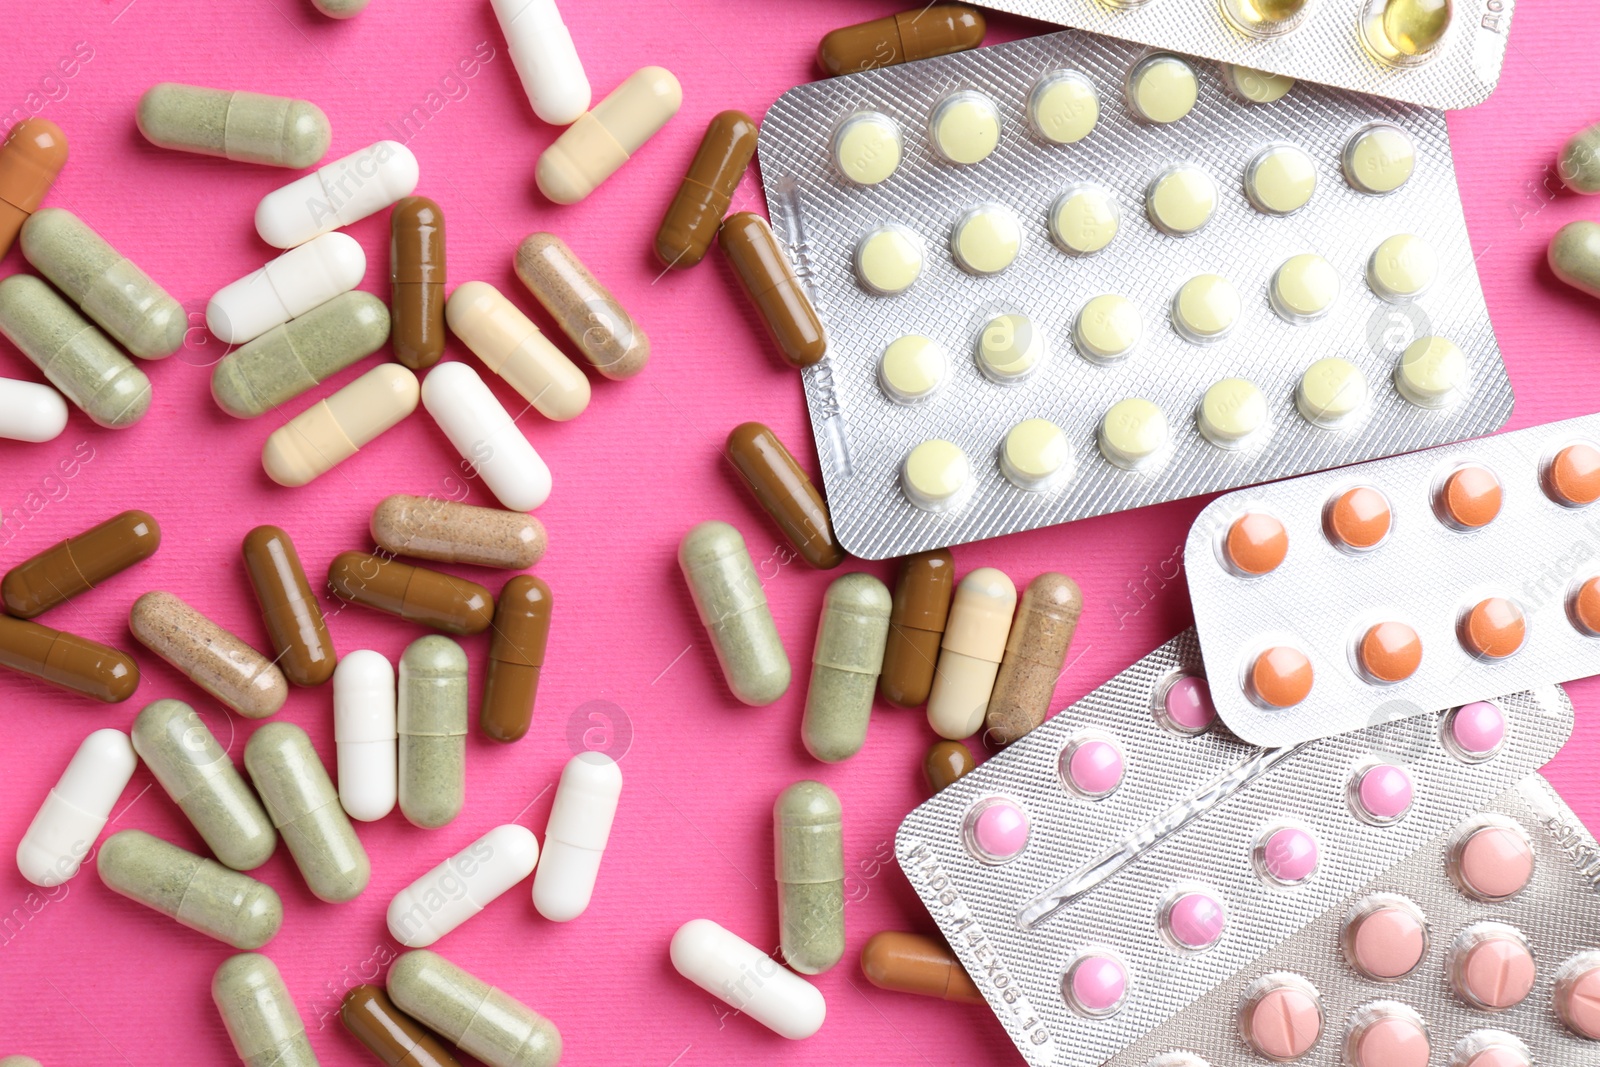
{"x":452,"y":532}
{"x":587,"y":313}
{"x":214,"y":659}
{"x":511,"y":345}
{"x":332,"y":430}
{"x":974,"y":643}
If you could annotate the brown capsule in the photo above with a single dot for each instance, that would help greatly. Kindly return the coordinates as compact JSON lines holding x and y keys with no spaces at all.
{"x":945,"y":762}
{"x":911,"y":963}
{"x":33,"y":154}
{"x":1035,"y":653}
{"x":452,"y":532}
{"x":920,"y":34}
{"x":67,"y":660}
{"x":922,"y":593}
{"x":416,"y":282}
{"x":390,"y":1034}
{"x":696,"y":211}
{"x":594,"y":321}
{"x":784,"y":492}
{"x":289,"y":610}
{"x":79,"y":563}
{"x":516,"y":654}
{"x":416,"y":594}
{"x":767,"y":279}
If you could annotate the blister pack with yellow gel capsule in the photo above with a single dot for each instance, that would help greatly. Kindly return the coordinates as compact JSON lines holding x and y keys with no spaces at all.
{"x":1200,"y":284}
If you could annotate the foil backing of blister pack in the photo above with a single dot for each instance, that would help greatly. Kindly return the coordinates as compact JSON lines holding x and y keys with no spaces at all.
{"x":862,"y":437}
{"x":1320,"y":599}
{"x":977,"y":905}
{"x":1327,"y":47}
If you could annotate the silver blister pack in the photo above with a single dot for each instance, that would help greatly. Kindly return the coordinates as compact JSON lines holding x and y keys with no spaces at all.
{"x":1531,"y":559}
{"x":863,"y":437}
{"x":1191,"y":809}
{"x":1328,"y":45}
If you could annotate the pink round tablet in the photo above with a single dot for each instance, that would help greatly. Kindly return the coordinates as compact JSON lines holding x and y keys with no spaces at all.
{"x":1195,"y":920}
{"x":1187,"y":703}
{"x":1383,"y":793}
{"x":1498,"y":1056}
{"x":1095,"y":768}
{"x":1578,"y":1001}
{"x":1288,"y":855}
{"x":1000,"y":830}
{"x":1494,"y":974}
{"x":1494,"y":863}
{"x":1097,"y":984}
{"x":1391,"y":1043}
{"x":1283,"y":1023}
{"x":1386,"y":943}
{"x":1478,"y":728}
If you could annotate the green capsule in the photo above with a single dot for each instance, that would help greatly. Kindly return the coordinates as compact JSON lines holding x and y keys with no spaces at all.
{"x":200,"y":893}
{"x":1575,"y":256}
{"x":432,"y":722}
{"x":851,"y":635}
{"x":259,"y":1014}
{"x":470,"y":1013}
{"x":305,"y":809}
{"x":808,"y":838}
{"x":733,"y":609}
{"x":244,"y":127}
{"x":1579,"y":165}
{"x":78,"y":359}
{"x":289,"y":359}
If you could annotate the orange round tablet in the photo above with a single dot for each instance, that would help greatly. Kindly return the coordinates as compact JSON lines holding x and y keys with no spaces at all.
{"x":1573,"y":477}
{"x":1256,"y":543}
{"x":1358,"y":518}
{"x":1470,"y":497}
{"x":1583,"y":607}
{"x":1494,"y":628}
{"x":1281,"y":677}
{"x":1390,"y":652}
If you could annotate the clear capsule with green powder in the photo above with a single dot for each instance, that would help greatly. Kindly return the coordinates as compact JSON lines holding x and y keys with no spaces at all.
{"x":243,"y":127}
{"x":808,"y":841}
{"x":733,"y":608}
{"x":78,"y":359}
{"x":1575,"y":256}
{"x":107,"y":285}
{"x":1579,"y":164}
{"x":471,"y":1014}
{"x":262,"y":1022}
{"x":200,"y":893}
{"x":305,"y":809}
{"x":432,"y":722}
{"x":199,"y":776}
{"x":845,"y":663}
{"x":299,"y":355}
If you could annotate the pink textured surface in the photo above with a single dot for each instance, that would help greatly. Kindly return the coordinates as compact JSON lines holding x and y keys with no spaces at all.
{"x":88,"y":978}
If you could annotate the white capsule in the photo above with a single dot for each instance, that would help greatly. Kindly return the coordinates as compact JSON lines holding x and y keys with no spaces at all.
{"x":485,"y":435}
{"x":575,"y":838}
{"x":76,"y":810}
{"x":345,"y":191}
{"x":547,"y":62}
{"x":364,"y":734}
{"x":510,"y":345}
{"x":286,"y":288}
{"x":747,"y":979}
{"x":462,"y":885}
{"x":30,"y":411}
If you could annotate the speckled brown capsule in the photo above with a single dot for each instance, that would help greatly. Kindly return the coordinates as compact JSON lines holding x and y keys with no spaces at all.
{"x":453,"y":532}
{"x":703,"y":197}
{"x":67,"y":660}
{"x":391,"y":1035}
{"x":79,"y":563}
{"x":1035,"y":652}
{"x":945,"y":762}
{"x":769,"y":281}
{"x":922,"y":33}
{"x":416,"y":282}
{"x":784,"y":492}
{"x":288,"y":608}
{"x":212,"y":658}
{"x":416,"y":594}
{"x":922,"y":593}
{"x":596,"y":323}
{"x":516,"y":654}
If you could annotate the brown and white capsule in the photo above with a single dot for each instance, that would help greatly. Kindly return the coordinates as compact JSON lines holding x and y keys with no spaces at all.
{"x":212,"y":658}
{"x":594,"y":321}
{"x":1035,"y":653}
{"x":452,"y":532}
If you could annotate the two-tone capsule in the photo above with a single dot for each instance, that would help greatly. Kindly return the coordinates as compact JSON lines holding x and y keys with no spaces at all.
{"x":1035,"y":653}
{"x":452,"y":532}
{"x":974,"y":643}
{"x":474,"y":1016}
{"x":345,"y":191}
{"x":416,"y":594}
{"x":808,"y":839}
{"x":733,"y":609}
{"x":364,"y":734}
{"x":332,"y":430}
{"x":78,"y":359}
{"x":31,"y":156}
{"x":416,"y":281}
{"x":462,"y":886}
{"x":922,"y":592}
{"x":516,"y":656}
{"x":75,"y":810}
{"x":286,"y":288}
{"x":212,"y":658}
{"x":769,"y":281}
{"x":199,"y":893}
{"x":289,"y":610}
{"x":784,"y":492}
{"x":298,"y":796}
{"x":594,"y":321}
{"x":79,"y":564}
{"x":244,"y":127}
{"x":389,"y":1033}
{"x":576,"y":835}
{"x":692,"y":218}
{"x":844,"y":666}
{"x":299,"y":355}
{"x":599,"y":142}
{"x":67,"y":661}
{"x":259,"y":1014}
{"x":510,"y":345}
{"x":486,"y":436}
{"x":431,"y":717}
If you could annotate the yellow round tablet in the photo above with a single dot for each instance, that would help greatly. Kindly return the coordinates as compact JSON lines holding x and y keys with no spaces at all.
{"x":1331,"y":392}
{"x":1232,"y":411}
{"x":986,"y":239}
{"x":965,"y":127}
{"x":935,"y":475}
{"x":1379,"y":158}
{"x":1063,"y":107}
{"x":1432,"y":372}
{"x":1280,"y":179}
{"x":1402,"y":268}
{"x":1181,"y":199}
{"x":1084,"y":218}
{"x":1010,"y":347}
{"x":1205,"y":308}
{"x":1133,"y":432}
{"x":1255,"y":86}
{"x":1107,"y":328}
{"x":912,"y":368}
{"x":1304,"y":288}
{"x":1162,"y":88}
{"x":866,"y":147}
{"x":889,"y":259}
{"x":1035,"y":455}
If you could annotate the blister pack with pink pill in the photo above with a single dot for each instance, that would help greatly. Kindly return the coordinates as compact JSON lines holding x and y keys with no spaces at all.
{"x":1106,"y":876}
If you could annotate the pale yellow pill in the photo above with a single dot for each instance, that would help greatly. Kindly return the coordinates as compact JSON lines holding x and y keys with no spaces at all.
{"x":1035,"y":455}
{"x":1205,"y":308}
{"x":1181,"y":199}
{"x":987,"y":239}
{"x":1379,"y":158}
{"x":935,"y":475}
{"x":889,"y":259}
{"x":332,"y":430}
{"x":1010,"y":347}
{"x":1133,"y":433}
{"x":1255,"y":86}
{"x":1280,"y":179}
{"x":1304,"y":288}
{"x":1162,"y":88}
{"x":912,"y":369}
{"x":1107,"y":328}
{"x":867,"y":147}
{"x":1063,"y":107}
{"x":1402,"y":268}
{"x":965,"y":127}
{"x":1084,"y":218}
{"x":1432,"y":372}
{"x":1332,"y":391}
{"x":1231,"y":412}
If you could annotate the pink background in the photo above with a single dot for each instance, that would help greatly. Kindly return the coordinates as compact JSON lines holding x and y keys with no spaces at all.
{"x":89,"y":978}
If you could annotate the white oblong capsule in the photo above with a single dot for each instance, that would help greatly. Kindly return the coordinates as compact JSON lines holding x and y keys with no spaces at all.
{"x":30,"y":411}
{"x":76,"y":810}
{"x":546,"y":60}
{"x":332,"y":430}
{"x":511,"y":345}
{"x":345,"y":191}
{"x":485,"y":435}
{"x":575,"y":838}
{"x":286,"y":288}
{"x":747,"y":979}
{"x":462,"y":885}
{"x":364,"y":735}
